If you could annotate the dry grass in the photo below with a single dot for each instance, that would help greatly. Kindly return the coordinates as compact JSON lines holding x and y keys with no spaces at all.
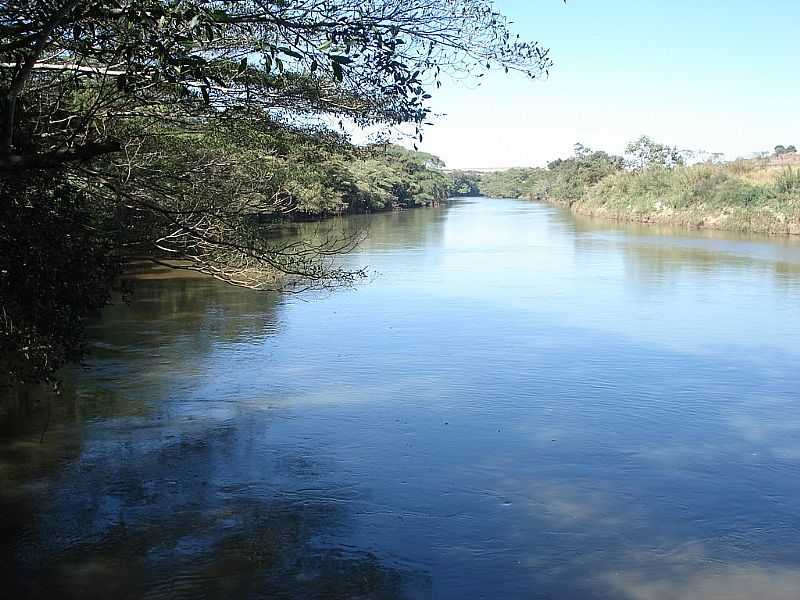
{"x":745,"y":195}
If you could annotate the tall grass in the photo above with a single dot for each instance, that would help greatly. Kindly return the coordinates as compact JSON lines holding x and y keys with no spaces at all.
{"x":744,"y":196}
{"x":788,"y":181}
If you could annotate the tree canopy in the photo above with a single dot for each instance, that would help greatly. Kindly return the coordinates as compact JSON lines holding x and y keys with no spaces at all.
{"x":645,"y":152}
{"x":182,"y":128}
{"x":72,"y":70}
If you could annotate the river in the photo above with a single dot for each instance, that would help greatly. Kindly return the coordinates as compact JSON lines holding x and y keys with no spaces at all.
{"x":520,"y":403}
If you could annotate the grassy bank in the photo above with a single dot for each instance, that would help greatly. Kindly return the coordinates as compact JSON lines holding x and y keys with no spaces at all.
{"x":759,"y":195}
{"x":741,"y":196}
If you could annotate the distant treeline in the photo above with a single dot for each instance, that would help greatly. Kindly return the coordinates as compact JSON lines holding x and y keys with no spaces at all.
{"x":656,"y":183}
{"x":311,"y":177}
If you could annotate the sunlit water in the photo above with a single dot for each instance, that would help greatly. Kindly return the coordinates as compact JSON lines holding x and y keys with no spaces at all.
{"x":519,"y":404}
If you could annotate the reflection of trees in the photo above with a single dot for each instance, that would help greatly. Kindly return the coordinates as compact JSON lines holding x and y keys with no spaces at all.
{"x":164,"y":337}
{"x":161,"y":335}
{"x":242,"y":549}
{"x":193,"y":509}
{"x":385,"y":230}
{"x":654,"y":255}
{"x":164,"y":312}
{"x":169,"y":324}
{"x":124,"y":500}
{"x":410,"y":228}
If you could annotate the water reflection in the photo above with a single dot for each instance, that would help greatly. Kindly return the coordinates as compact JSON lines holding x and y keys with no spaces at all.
{"x":656,"y":256}
{"x":731,"y":582}
{"x":172,"y":512}
{"x":149,"y":485}
{"x":520,"y":404}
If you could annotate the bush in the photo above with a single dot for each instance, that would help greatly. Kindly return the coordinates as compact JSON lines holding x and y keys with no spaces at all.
{"x":57,"y":266}
{"x":788,"y":181}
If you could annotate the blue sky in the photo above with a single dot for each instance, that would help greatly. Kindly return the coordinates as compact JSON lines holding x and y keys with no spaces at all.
{"x":720,"y":76}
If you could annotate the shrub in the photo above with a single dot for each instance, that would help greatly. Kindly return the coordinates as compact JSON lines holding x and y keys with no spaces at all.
{"x":788,"y":181}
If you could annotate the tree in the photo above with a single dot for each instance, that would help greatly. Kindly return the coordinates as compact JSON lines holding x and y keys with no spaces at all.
{"x":581,"y":150}
{"x":181,"y":61}
{"x":54,"y":272}
{"x":465,"y":183}
{"x":570,"y":178}
{"x":514,"y":183}
{"x":160,"y":127}
{"x":645,"y":153}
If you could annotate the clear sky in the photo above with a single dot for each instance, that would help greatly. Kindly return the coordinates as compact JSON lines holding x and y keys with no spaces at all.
{"x":713,"y":75}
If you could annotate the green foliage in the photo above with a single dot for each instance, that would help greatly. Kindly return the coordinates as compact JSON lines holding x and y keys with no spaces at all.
{"x":307,"y":177}
{"x":732,"y":197}
{"x":570,"y":178}
{"x":680,"y":189}
{"x":464,"y":183}
{"x":55,"y":265}
{"x":394,"y":177}
{"x":371,"y":62}
{"x":566,"y":179}
{"x":654,"y":185}
{"x":645,"y":153}
{"x":788,"y":181}
{"x":514,"y":183}
{"x":187,"y":127}
{"x":780,"y":149}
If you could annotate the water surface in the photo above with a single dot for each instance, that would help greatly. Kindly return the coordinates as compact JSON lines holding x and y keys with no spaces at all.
{"x":519,"y":404}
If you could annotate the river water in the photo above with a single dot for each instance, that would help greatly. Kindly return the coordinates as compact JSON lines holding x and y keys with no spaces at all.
{"x":519,"y":404}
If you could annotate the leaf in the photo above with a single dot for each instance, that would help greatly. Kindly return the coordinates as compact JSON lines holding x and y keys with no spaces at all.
{"x":337,"y":71}
{"x":290,"y":52}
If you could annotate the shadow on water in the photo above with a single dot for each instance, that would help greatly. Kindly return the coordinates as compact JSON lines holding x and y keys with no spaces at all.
{"x":139,"y":521}
{"x":147,"y":486}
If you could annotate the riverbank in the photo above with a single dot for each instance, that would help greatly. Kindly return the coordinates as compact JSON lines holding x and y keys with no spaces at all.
{"x":142,"y":268}
{"x":750,"y":196}
{"x":742,"y":196}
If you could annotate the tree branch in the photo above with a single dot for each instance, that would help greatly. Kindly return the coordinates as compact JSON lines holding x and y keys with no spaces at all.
{"x":18,"y":82}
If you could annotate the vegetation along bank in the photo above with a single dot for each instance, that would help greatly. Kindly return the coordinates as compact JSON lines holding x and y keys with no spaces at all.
{"x":654,"y":183}
{"x":187,"y":132}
